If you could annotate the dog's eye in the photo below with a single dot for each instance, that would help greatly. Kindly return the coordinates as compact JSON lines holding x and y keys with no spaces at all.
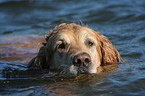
{"x":90,"y":43}
{"x":61,"y":46}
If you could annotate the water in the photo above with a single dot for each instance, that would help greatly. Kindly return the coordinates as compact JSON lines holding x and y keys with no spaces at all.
{"x":24,"y":21}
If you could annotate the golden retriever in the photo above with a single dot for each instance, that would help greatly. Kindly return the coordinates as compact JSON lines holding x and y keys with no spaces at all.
{"x":75,"y":49}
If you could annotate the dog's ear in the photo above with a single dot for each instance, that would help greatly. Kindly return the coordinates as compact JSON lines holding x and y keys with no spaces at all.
{"x":41,"y":60}
{"x":109,"y":53}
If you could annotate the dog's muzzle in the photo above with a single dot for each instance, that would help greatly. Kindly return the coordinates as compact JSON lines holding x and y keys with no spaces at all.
{"x":82,"y":62}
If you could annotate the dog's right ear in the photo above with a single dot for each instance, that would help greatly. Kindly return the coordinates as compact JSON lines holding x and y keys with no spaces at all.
{"x":40,"y":60}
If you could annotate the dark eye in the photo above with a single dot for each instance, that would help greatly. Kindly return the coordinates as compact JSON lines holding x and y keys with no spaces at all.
{"x":90,"y":43}
{"x":61,"y":46}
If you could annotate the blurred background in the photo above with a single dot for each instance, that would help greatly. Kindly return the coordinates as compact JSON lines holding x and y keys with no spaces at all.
{"x":122,"y":21}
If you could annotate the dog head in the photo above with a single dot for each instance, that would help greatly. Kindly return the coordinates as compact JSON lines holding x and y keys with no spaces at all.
{"x":75,"y":49}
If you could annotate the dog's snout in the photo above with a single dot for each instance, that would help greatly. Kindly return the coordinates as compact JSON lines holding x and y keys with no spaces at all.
{"x":82,"y":60}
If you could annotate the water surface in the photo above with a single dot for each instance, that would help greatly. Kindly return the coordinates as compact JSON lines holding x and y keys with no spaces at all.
{"x":24,"y":22}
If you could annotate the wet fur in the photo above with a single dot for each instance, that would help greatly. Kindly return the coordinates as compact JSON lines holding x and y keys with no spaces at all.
{"x":48,"y":57}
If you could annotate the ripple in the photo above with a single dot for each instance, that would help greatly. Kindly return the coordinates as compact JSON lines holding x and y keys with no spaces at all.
{"x":100,"y":16}
{"x":117,"y":6}
{"x":13,"y":2}
{"x":133,"y":55}
{"x":7,"y":32}
{"x":142,"y":40}
{"x":122,"y":19}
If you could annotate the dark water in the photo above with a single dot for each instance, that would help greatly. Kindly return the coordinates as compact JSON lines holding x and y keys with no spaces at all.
{"x":122,"y":21}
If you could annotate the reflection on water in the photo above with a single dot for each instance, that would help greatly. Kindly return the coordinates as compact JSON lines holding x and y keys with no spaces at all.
{"x":23,"y":23}
{"x":20,"y":48}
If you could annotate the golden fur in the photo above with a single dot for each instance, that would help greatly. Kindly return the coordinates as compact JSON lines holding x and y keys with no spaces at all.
{"x":67,"y":41}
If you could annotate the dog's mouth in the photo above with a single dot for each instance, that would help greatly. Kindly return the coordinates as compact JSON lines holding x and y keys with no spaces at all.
{"x":82,"y":70}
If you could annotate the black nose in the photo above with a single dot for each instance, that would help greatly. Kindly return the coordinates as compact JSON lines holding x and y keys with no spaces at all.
{"x":82,"y":60}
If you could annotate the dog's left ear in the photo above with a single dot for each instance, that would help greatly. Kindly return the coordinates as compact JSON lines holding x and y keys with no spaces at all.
{"x":109,"y":53}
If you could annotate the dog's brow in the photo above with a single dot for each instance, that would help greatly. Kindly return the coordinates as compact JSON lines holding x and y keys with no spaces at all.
{"x":85,"y":35}
{"x":64,"y":37}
